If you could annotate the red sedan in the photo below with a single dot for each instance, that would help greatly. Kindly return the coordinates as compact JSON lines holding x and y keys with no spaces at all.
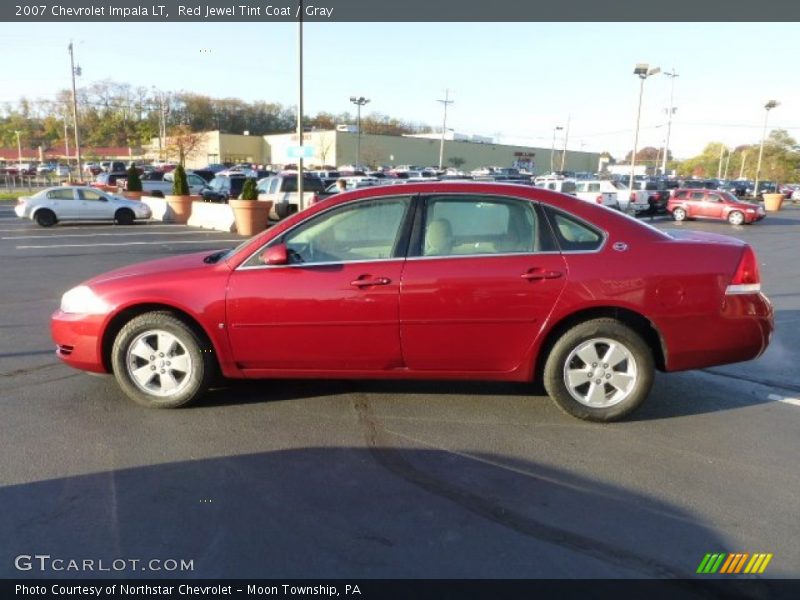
{"x":713,"y":204}
{"x":429,"y":281}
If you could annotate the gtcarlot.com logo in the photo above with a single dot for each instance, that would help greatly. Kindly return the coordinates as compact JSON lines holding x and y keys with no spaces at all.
{"x":47,"y":563}
{"x":734,"y":563}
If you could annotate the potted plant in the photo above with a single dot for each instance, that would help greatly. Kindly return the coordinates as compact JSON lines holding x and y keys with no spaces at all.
{"x":180,"y":202}
{"x":250,"y":213}
{"x":134,"y":184}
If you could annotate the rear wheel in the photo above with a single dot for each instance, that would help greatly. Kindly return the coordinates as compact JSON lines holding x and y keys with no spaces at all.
{"x":600,"y":370}
{"x":45,"y":218}
{"x":161,"y":362}
{"x":735,"y":217}
{"x":679,"y":214}
{"x":124,"y":216}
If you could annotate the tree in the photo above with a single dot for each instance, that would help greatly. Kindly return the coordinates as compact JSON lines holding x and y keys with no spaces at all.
{"x":456,"y":161}
{"x":249,"y":190}
{"x":180,"y":186}
{"x":134,"y":181}
{"x":183,"y":143}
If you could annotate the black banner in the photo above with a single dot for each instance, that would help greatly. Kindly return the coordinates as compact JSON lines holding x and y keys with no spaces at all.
{"x":405,"y":11}
{"x":585,"y":589}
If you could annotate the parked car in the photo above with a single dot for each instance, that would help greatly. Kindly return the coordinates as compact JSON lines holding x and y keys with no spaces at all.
{"x":92,"y":169}
{"x":110,"y":179}
{"x":223,"y":187}
{"x":599,"y":191}
{"x":79,"y":203}
{"x":161,"y":185}
{"x":441,"y":281}
{"x":281,"y":190}
{"x":713,"y":204}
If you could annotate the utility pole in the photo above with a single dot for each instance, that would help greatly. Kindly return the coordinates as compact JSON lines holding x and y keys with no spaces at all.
{"x":553,"y":148}
{"x":359,"y":102}
{"x":741,"y":169}
{"x":75,"y":72}
{"x":19,"y":154}
{"x":767,"y":107}
{"x":721,"y":155}
{"x":670,"y":111}
{"x":300,"y":107}
{"x":444,"y":102}
{"x":727,"y":164}
{"x":566,"y":137}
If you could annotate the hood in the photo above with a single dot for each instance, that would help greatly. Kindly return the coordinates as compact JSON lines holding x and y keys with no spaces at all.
{"x":182,"y":262}
{"x":702,"y":236}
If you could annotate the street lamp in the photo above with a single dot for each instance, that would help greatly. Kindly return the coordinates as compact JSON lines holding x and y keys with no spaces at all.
{"x":75,"y":71}
{"x":643,"y":71}
{"x":359,"y":102}
{"x":670,"y":111}
{"x":767,"y":107}
{"x":553,"y":148}
{"x":444,"y":102}
{"x":19,"y":154}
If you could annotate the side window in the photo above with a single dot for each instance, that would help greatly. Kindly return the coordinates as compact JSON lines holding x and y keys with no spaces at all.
{"x":273,"y":185}
{"x":697,"y":195}
{"x":713,"y":198}
{"x":60,"y":195}
{"x":574,"y":235}
{"x":90,"y":195}
{"x":681,"y":195}
{"x":581,"y":187}
{"x":593,"y":187}
{"x":477,"y":225}
{"x":368,"y":230}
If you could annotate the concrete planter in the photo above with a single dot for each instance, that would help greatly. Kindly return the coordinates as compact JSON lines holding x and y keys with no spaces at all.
{"x":773,"y":202}
{"x":251,"y":216}
{"x":133,"y":195}
{"x":180,"y":208}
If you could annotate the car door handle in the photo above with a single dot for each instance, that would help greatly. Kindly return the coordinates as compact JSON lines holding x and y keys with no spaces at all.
{"x":370,"y":281}
{"x":537,"y":274}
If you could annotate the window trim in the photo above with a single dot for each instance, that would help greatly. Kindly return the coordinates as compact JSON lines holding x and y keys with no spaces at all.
{"x":401,"y":251}
{"x":415,"y":247}
{"x":550,"y":213}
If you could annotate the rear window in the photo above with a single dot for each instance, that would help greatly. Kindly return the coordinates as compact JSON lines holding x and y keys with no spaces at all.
{"x":310,"y":184}
{"x":574,"y":235}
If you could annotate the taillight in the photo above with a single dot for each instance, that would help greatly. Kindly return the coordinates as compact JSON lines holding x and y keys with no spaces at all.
{"x":599,"y":199}
{"x":746,"y":279}
{"x":633,"y":197}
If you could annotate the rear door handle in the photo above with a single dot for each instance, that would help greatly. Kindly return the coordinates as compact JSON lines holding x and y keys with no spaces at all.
{"x":537,"y":274}
{"x":370,"y":281}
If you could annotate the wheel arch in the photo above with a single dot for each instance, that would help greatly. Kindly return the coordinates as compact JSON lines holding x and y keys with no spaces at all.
{"x":636,"y":321}
{"x":118,"y":321}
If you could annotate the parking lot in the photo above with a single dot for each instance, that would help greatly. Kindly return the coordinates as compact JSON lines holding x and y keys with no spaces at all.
{"x":386,"y":479}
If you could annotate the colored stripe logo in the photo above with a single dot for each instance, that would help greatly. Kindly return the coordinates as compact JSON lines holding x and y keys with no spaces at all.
{"x":734,"y":563}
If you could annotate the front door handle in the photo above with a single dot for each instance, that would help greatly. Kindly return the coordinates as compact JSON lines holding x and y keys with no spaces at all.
{"x":537,"y":274}
{"x":370,"y":281}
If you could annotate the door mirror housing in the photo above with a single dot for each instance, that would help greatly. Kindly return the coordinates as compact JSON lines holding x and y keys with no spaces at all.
{"x":275,"y":255}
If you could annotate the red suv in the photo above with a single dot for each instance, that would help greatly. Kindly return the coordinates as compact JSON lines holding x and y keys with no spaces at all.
{"x":713,"y":204}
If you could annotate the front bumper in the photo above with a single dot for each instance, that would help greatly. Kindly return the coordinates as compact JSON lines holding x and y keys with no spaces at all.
{"x":78,"y":340}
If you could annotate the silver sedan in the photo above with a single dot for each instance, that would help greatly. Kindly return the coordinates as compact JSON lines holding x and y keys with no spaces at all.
{"x":77,"y":203}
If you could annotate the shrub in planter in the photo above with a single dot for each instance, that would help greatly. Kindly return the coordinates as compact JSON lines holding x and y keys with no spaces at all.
{"x":134,"y":186}
{"x":250,"y":213}
{"x":180,"y":202}
{"x":180,"y":186}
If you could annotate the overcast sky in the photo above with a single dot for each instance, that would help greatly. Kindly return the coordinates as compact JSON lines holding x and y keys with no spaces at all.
{"x":515,"y":82}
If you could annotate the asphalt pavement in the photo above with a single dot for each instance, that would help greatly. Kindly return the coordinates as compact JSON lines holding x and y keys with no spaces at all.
{"x":327,"y":479}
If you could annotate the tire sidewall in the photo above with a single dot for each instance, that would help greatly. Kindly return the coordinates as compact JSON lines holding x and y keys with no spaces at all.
{"x":201,"y":357}
{"x":679,"y":211}
{"x":124,"y":216}
{"x":48,"y":214}
{"x":574,"y":337}
{"x":732,"y":216}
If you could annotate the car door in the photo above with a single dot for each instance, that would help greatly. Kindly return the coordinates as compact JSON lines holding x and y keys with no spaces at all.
{"x":483,"y":280}
{"x":94,"y":205}
{"x":713,"y":206}
{"x":695,"y":205}
{"x":196,"y":183}
{"x":62,"y":202}
{"x":334,"y":307}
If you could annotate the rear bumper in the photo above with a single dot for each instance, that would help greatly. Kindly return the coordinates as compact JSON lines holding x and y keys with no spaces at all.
{"x":78,"y":340}
{"x":740,"y":332}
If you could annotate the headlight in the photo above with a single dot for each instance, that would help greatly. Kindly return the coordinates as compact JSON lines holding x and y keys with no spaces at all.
{"x":82,"y":300}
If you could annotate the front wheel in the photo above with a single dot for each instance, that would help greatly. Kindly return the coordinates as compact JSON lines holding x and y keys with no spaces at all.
{"x":124,"y":216}
{"x":679,"y":214}
{"x":735,"y":217}
{"x":161,"y":362}
{"x":600,"y":370}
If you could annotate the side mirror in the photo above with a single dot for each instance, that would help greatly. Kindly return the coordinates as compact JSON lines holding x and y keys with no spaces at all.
{"x":275,"y":255}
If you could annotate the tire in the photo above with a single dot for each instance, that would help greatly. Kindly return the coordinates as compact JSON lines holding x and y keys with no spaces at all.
{"x":45,"y":218}
{"x":124,"y":216}
{"x":679,"y":214}
{"x":141,"y":355}
{"x":735,"y":217}
{"x":626,"y":379}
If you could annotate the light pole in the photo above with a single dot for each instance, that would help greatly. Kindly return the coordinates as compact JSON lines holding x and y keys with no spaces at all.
{"x":643,"y":71}
{"x":444,"y":102}
{"x":553,"y":148}
{"x":767,"y":107}
{"x":19,"y":154}
{"x":300,"y":180}
{"x":566,"y":137}
{"x":359,"y":102}
{"x":670,"y":111}
{"x":74,"y":72}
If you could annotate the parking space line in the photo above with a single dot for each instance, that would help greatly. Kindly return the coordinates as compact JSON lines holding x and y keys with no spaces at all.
{"x":115,"y":234}
{"x":45,"y":247}
{"x":96,"y":226}
{"x":776,"y":398}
